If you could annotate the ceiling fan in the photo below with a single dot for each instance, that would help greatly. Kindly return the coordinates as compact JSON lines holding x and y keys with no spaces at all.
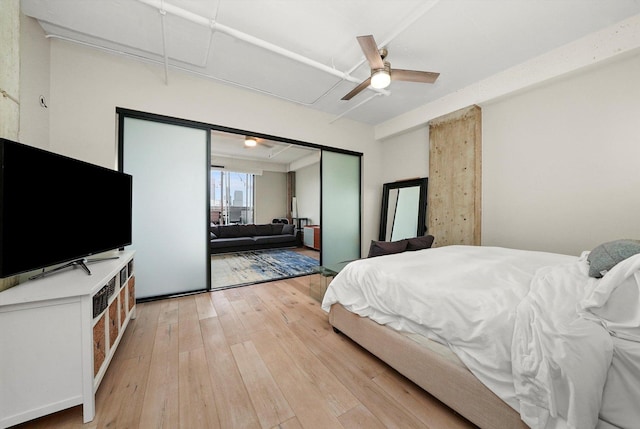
{"x":381,"y":72}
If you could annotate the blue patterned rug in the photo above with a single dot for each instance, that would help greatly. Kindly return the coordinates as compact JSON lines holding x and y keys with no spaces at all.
{"x":256,"y":266}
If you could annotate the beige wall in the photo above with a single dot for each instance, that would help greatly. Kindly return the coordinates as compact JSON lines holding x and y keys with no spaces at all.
{"x":271,"y":196}
{"x":9,"y":83}
{"x":561,"y":162}
{"x":308,"y":192}
{"x":558,"y":160}
{"x":10,"y":69}
{"x":34,"y":78}
{"x":87,"y":85}
{"x":406,"y":156}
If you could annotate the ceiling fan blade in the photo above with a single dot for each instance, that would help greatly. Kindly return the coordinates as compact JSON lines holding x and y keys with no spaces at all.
{"x":355,"y":91}
{"x":414,"y":76}
{"x":370,"y":49}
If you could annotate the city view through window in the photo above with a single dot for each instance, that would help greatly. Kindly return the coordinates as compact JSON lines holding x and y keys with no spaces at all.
{"x":232,"y":197}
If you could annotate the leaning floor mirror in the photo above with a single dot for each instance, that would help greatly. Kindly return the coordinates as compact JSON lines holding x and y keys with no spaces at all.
{"x":404,"y":209}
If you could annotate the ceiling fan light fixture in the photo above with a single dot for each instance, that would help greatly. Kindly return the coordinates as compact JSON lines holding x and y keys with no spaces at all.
{"x":381,"y":78}
{"x":250,"y":141}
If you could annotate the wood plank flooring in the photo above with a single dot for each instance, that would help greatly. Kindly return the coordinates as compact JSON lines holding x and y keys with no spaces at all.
{"x":261,"y":356}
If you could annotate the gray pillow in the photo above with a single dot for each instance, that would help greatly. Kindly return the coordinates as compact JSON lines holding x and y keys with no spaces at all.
{"x":605,"y":256}
{"x":288,"y":228}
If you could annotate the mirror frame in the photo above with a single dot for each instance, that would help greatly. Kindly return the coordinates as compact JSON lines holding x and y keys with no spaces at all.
{"x":422,"y":204}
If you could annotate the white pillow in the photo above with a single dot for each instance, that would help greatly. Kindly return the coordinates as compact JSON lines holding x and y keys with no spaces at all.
{"x":615,"y":301}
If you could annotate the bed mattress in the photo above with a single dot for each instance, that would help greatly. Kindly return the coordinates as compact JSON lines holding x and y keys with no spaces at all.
{"x":518,"y":320}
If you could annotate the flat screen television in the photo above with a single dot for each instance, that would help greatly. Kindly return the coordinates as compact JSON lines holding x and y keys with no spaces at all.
{"x":55,"y":209}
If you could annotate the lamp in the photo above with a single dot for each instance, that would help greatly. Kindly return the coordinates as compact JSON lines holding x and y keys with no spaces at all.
{"x":250,"y":141}
{"x":381,"y":78}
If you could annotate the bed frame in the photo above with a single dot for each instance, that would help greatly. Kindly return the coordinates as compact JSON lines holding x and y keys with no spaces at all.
{"x":451,"y":383}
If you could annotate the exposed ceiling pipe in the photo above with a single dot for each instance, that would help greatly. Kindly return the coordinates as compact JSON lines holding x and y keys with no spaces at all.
{"x":404,"y":24}
{"x":366,"y":100}
{"x":182,"y":69}
{"x":216,"y":26}
{"x":274,"y":154}
{"x":163,"y":13}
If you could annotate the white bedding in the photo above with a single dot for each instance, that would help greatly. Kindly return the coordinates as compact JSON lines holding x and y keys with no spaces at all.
{"x":474,"y":299}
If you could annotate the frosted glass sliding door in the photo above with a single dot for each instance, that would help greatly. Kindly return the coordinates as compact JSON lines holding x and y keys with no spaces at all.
{"x":340,"y":211}
{"x":170,"y":169}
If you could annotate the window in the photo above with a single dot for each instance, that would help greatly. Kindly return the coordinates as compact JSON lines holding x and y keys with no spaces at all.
{"x":232,"y":197}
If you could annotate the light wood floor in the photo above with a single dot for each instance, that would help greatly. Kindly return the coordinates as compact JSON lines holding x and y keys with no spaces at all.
{"x":261,"y":356}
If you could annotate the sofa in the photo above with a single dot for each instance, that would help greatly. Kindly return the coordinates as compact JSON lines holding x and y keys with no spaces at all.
{"x":233,"y":238}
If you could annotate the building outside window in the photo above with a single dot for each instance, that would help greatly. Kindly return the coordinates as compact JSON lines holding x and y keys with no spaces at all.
{"x":232,"y":197}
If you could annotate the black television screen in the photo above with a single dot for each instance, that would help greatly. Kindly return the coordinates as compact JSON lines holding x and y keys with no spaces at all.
{"x":56,"y":209}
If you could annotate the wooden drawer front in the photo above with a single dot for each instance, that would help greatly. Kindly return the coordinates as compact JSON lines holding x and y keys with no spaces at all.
{"x":113,"y":322}
{"x":123,"y":305}
{"x":132,"y":292}
{"x":99,"y":344}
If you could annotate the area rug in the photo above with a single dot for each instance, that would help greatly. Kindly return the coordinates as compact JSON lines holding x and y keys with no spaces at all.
{"x":241,"y":268}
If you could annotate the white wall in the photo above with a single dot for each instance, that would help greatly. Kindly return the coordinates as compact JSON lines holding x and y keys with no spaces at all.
{"x":271,"y":196}
{"x":34,"y":83}
{"x":308,"y":192}
{"x":87,"y":85}
{"x":406,"y":156}
{"x":561,"y":162}
{"x":10,"y":70}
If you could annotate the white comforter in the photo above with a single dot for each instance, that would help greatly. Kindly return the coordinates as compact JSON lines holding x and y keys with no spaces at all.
{"x":494,"y":307}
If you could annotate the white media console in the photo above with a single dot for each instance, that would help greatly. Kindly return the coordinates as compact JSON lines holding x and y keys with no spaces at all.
{"x":58,"y":335}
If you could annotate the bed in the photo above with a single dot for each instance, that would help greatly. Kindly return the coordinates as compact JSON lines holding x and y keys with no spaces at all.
{"x":507,"y":338}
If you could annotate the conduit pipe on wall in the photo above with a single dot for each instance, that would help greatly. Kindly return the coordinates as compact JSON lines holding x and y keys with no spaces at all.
{"x":164,"y":46}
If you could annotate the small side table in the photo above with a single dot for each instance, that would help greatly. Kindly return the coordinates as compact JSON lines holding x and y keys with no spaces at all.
{"x":320,"y":281}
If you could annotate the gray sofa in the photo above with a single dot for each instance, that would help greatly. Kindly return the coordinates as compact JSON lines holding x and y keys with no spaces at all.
{"x":233,"y":238}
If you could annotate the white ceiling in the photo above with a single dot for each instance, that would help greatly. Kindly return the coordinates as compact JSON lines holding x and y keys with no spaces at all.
{"x":306,"y":50}
{"x":229,"y":150}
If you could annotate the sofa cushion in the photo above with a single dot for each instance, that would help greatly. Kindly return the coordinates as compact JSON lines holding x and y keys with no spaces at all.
{"x":214,"y":230}
{"x":288,"y":229}
{"x":264,"y":229}
{"x":229,"y":231}
{"x":282,"y":238}
{"x":230,"y":242}
{"x":246,"y":230}
{"x":276,"y":228}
